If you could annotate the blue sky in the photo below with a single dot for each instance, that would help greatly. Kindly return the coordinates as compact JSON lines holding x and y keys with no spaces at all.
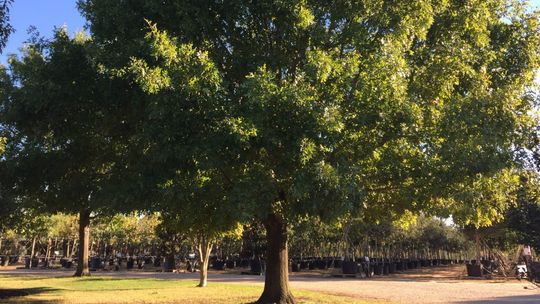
{"x":47,"y":14}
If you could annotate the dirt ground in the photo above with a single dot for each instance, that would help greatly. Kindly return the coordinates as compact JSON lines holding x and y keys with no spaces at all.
{"x":434,"y":285}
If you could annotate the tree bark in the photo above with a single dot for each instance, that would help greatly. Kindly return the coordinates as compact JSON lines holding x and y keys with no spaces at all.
{"x":478,"y":254}
{"x":48,"y":252}
{"x":33,"y":251}
{"x":15,"y":249}
{"x":276,"y":282}
{"x":73,"y":248}
{"x":84,"y":239}
{"x":205,"y":248}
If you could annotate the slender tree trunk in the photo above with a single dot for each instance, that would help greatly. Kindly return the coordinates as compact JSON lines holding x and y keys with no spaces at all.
{"x":48,"y":253}
{"x":346,"y":229}
{"x":74,"y":247}
{"x":478,"y":254}
{"x":276,"y":282}
{"x":32,"y":251}
{"x":68,"y":249}
{"x":205,"y":248}
{"x":65,"y":248}
{"x":84,"y":238}
{"x":15,"y":249}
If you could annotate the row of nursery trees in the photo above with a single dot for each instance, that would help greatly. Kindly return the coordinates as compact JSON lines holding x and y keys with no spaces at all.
{"x":142,"y":235}
{"x":135,"y":235}
{"x":50,"y":235}
{"x":214,"y":113}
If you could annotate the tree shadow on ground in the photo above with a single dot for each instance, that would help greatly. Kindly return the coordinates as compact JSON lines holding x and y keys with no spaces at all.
{"x":525,"y":299}
{"x":12,"y":294}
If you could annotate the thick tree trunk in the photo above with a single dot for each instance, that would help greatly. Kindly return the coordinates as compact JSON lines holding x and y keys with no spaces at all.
{"x":276,"y":282}
{"x":84,"y":239}
{"x":205,"y":248}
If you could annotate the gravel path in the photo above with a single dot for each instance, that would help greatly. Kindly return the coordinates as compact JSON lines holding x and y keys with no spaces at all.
{"x":427,"y":286}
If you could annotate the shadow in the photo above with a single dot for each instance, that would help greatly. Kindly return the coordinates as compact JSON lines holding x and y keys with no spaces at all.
{"x":6,"y":293}
{"x":96,"y":278}
{"x":527,"y":299}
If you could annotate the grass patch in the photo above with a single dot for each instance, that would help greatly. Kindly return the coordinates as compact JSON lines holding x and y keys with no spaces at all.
{"x":20,"y":289}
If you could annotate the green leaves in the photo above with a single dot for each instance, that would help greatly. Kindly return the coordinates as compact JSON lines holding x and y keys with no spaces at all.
{"x":482,"y":200}
{"x":300,"y":106}
{"x":3,"y":141}
{"x":5,"y":27}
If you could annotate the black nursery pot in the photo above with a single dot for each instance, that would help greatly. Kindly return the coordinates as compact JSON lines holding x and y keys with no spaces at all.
{"x":378,"y":269}
{"x":386,"y":269}
{"x":349,"y":267}
{"x":244,"y":263}
{"x":95,"y":263}
{"x":219,"y":265}
{"x":295,"y":267}
{"x":256,"y":266}
{"x":66,"y":263}
{"x":130,"y":263}
{"x":474,"y":270}
{"x":392,"y":267}
{"x":231,"y":264}
{"x":169,"y":264}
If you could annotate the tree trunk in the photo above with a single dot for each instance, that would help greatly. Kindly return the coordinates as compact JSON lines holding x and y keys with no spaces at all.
{"x":276,"y":282}
{"x":84,"y":238}
{"x":48,"y":253}
{"x":205,"y":248}
{"x":68,"y":248}
{"x":15,"y":249}
{"x":74,"y":247}
{"x":33,"y":251}
{"x":478,"y":254}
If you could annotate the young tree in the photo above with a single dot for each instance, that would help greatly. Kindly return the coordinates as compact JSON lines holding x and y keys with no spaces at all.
{"x":198,"y":224}
{"x":381,"y":106}
{"x":195,"y":203}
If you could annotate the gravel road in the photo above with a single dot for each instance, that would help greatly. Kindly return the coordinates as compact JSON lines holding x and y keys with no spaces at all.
{"x":442,"y":285}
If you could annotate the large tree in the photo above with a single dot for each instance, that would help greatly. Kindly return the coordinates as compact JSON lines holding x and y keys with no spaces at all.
{"x":328,"y":106}
{"x":58,"y":108}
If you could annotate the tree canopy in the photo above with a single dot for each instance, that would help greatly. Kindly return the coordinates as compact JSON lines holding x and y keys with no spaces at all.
{"x":5,"y":27}
{"x":281,"y":110}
